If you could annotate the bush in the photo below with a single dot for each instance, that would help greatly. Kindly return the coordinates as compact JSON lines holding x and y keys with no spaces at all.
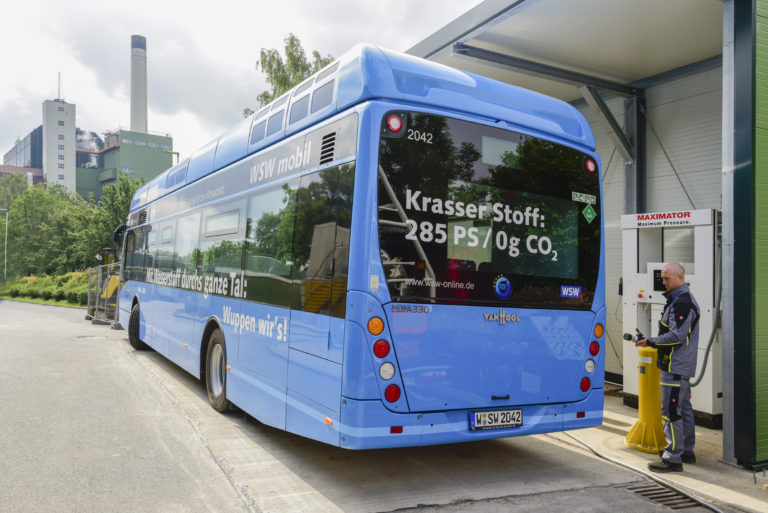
{"x":14,"y":291}
{"x":82,"y":297}
{"x":59,"y":295}
{"x":46,"y":293}
{"x":33,"y":293}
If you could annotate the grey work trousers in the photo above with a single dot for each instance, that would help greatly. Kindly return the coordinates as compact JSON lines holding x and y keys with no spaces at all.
{"x":677,"y":414}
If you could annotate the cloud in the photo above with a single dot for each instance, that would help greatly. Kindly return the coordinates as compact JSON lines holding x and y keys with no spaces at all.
{"x":200,"y":56}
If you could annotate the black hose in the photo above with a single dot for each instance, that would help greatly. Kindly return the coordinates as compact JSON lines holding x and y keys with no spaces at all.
{"x":715,"y":323}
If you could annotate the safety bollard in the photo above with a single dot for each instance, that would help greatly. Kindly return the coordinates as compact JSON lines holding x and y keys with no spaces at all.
{"x":648,"y":433}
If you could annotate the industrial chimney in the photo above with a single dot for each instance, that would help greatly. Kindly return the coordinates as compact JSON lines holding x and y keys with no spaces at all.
{"x":138,"y":84}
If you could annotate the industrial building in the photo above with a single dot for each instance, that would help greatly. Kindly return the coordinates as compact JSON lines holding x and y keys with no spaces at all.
{"x":84,"y":162}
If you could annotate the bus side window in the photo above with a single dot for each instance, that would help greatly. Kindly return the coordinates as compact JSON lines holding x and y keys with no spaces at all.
{"x":135,"y":247}
{"x":222,"y":239}
{"x":321,"y":241}
{"x":186,"y":254}
{"x":269,"y":244}
{"x":163,"y":251}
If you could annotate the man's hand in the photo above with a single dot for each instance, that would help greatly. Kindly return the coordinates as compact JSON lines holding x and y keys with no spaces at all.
{"x":641,"y":343}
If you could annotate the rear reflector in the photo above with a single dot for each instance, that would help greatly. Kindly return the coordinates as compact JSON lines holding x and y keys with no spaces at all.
{"x":396,"y":429}
{"x":580,"y":414}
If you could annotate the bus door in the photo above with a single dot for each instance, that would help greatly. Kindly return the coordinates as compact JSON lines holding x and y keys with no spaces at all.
{"x":164,"y":295}
{"x":184,"y":339}
{"x":263,"y":339}
{"x":319,"y":287}
{"x":134,"y":277}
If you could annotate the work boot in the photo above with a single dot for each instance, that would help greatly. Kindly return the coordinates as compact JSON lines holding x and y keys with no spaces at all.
{"x":688,"y":457}
{"x":665,"y":466}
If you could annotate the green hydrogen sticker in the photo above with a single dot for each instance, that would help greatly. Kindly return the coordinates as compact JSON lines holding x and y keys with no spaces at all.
{"x":589,"y":213}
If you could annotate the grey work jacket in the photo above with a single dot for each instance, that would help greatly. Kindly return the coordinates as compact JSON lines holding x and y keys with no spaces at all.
{"x":678,"y":340}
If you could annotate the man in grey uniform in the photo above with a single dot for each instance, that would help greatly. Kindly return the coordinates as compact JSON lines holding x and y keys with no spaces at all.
{"x":677,"y":346}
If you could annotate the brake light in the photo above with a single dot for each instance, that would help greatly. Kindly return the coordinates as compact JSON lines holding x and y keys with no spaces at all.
{"x":381,"y":348}
{"x":394,"y":123}
{"x":375,"y":325}
{"x":591,"y":166}
{"x":586,"y":384}
{"x":594,"y":348}
{"x":392,"y":393}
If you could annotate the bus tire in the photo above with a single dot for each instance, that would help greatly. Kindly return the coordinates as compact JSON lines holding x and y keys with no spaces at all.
{"x":133,"y":329}
{"x":216,"y":372}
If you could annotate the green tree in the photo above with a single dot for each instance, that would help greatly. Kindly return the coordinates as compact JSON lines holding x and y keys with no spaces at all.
{"x":42,"y":229}
{"x":285,"y":72}
{"x":11,"y":187}
{"x":54,"y":231}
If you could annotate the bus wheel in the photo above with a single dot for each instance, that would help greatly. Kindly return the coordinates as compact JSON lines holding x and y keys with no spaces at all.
{"x":133,"y":329}
{"x":216,"y":372}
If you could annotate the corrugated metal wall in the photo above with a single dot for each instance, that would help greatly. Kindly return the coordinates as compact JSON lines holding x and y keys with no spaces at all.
{"x":685,"y":113}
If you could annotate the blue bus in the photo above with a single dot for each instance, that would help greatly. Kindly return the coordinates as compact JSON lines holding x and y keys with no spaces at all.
{"x":393,"y":253}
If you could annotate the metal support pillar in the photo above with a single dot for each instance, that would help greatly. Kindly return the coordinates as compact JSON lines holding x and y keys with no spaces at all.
{"x":612,"y":128}
{"x":634,"y":169}
{"x":726,"y":276}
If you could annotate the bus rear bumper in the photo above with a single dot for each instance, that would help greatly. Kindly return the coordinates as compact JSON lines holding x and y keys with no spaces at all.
{"x":369,"y":425}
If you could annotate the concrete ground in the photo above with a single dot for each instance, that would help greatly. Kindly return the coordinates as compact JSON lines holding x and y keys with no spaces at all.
{"x":89,"y":424}
{"x":709,"y":478}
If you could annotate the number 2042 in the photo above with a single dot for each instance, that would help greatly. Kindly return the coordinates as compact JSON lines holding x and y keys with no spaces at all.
{"x":415,"y":135}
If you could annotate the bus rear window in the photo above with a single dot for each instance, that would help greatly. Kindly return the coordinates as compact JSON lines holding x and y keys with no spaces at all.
{"x":472,"y":214}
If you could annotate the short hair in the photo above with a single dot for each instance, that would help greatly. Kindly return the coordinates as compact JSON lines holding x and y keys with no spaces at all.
{"x":676,"y":268}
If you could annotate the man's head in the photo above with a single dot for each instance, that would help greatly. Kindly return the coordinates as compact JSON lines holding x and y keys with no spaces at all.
{"x":673,"y":275}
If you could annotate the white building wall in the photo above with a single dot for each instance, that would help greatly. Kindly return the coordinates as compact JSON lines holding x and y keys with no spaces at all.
{"x":59,"y":143}
{"x":686,"y":114}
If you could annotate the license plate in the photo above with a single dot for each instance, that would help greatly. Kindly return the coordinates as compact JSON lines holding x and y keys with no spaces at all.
{"x":495,"y":419}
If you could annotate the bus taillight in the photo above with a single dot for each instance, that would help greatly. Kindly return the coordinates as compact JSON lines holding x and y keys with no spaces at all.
{"x":381,"y":348}
{"x":392,"y":393}
{"x":585,"y":384}
{"x":591,"y":166}
{"x":594,"y":348}
{"x":387,"y":371}
{"x":394,"y":123}
{"x":375,"y":325}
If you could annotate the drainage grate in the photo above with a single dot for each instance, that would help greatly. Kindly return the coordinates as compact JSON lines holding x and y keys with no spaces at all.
{"x":663,"y":496}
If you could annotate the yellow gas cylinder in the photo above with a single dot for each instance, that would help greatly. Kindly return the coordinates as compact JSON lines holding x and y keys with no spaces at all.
{"x":648,"y":433}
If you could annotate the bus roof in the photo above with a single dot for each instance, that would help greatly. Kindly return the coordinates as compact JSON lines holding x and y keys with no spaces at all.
{"x":363,"y":73}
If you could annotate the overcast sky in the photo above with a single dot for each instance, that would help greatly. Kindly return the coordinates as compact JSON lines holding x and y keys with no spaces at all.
{"x":200,"y":55}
